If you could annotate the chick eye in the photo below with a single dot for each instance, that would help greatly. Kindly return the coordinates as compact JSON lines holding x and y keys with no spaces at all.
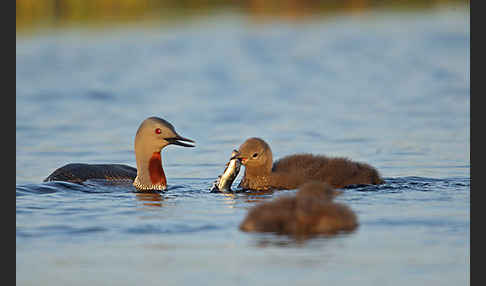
{"x":158,"y":131}
{"x":255,"y":155}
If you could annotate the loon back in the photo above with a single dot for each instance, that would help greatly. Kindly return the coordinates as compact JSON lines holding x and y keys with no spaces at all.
{"x":77,"y":173}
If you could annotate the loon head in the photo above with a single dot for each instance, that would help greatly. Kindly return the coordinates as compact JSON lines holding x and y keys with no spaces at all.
{"x":152,"y":136}
{"x":256,"y":155}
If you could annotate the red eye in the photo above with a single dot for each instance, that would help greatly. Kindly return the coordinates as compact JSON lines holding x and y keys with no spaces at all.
{"x":158,"y":131}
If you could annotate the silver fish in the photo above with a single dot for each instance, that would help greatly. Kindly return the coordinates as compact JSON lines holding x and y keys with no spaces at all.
{"x":224,"y":181}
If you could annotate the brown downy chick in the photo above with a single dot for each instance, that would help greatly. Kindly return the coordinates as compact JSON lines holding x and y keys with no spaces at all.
{"x":312,"y":211}
{"x":292,"y":171}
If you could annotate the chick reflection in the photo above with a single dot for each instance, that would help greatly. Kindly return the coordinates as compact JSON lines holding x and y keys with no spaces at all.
{"x":229,"y":199}
{"x":150,"y":199}
{"x":258,"y":196}
{"x":312,"y":211}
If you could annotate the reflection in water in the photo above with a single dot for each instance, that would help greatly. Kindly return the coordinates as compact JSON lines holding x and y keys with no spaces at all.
{"x":284,"y":240}
{"x":258,"y":196}
{"x":150,"y":199}
{"x":229,"y":199}
{"x":248,"y":196}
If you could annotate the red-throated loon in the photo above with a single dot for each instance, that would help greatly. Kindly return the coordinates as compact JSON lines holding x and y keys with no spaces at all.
{"x":291,"y":171}
{"x":152,"y":136}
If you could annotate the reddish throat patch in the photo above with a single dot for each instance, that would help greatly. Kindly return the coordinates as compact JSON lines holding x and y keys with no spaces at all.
{"x":157,"y":175}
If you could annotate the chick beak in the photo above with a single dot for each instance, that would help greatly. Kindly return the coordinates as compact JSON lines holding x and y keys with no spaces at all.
{"x":239,"y":157}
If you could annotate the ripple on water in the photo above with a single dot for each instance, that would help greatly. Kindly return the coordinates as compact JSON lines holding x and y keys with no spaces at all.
{"x":170,"y":229}
{"x":57,"y":230}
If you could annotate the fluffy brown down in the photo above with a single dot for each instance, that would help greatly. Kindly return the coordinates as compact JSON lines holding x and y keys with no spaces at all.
{"x":289,"y":172}
{"x":311,"y":211}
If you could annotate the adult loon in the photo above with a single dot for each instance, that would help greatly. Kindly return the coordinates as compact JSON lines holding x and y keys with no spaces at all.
{"x":261,"y":173}
{"x":152,"y":136}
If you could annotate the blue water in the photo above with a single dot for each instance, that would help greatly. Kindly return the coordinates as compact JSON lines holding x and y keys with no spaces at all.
{"x":387,"y":88}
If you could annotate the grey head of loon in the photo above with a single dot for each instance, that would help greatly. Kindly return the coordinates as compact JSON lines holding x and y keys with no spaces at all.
{"x":152,"y":136}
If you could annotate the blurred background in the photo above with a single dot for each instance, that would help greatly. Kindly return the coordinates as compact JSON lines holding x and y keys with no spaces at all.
{"x":36,"y":14}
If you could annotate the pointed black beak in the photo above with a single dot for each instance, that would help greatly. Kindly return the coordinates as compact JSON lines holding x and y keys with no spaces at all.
{"x":177,"y":141}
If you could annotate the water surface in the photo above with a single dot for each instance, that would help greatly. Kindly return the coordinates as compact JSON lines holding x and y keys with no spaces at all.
{"x":389,"y":89}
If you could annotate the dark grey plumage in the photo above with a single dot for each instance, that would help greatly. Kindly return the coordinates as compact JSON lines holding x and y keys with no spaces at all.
{"x":78,"y":172}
